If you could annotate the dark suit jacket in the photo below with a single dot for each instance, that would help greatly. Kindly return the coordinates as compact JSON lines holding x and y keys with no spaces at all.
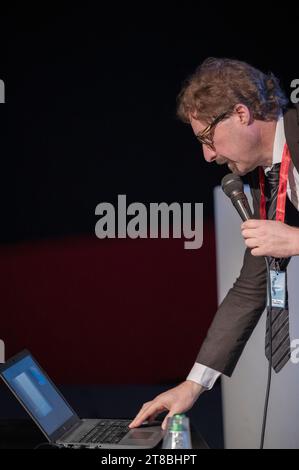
{"x":242,"y":307}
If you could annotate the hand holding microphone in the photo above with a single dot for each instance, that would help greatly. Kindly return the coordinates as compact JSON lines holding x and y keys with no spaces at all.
{"x":263,"y":237}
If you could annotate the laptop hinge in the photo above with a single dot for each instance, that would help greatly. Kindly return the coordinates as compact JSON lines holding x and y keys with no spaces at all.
{"x":70,"y":431}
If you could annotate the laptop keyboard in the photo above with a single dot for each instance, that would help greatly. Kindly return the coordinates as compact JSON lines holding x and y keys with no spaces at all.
{"x":106,"y":432}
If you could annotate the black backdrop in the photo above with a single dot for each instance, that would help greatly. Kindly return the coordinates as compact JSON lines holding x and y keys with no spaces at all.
{"x":90,"y":106}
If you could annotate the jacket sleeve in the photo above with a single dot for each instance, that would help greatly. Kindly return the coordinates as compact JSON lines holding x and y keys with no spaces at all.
{"x":237,"y":315}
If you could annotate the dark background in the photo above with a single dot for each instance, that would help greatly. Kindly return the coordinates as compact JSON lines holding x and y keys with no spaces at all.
{"x":90,"y":113}
{"x":91,"y":102}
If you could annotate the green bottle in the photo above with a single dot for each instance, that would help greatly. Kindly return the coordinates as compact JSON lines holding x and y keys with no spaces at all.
{"x":177,"y":434}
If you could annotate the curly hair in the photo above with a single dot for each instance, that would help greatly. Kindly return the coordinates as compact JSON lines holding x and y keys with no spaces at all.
{"x":219,"y":84}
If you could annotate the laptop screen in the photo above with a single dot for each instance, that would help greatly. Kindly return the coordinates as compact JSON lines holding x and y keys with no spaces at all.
{"x":38,"y":394}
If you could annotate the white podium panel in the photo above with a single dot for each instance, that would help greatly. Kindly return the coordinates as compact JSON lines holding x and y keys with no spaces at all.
{"x":244,"y":393}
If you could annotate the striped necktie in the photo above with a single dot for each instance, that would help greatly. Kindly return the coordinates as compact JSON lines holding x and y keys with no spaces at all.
{"x":281,"y":350}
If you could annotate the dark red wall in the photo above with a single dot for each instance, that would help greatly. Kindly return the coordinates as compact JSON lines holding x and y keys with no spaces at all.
{"x":108,"y":311}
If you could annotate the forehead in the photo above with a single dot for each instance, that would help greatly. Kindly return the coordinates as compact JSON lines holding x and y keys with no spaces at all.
{"x":197,"y":126}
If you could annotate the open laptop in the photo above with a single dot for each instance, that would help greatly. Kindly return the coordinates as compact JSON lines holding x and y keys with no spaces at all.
{"x":58,"y":421}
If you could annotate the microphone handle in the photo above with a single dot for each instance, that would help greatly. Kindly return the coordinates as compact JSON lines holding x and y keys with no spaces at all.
{"x":242,"y":206}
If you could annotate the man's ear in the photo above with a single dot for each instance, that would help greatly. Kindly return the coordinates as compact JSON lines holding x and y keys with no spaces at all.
{"x":243,"y":114}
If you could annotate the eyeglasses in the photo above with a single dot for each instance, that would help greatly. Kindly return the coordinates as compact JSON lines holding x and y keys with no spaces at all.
{"x":206,"y":136}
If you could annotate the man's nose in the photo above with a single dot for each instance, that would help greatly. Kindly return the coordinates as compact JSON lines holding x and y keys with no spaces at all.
{"x":209,"y":154}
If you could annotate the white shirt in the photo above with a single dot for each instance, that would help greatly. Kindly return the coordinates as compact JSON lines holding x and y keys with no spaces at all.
{"x":204,"y":375}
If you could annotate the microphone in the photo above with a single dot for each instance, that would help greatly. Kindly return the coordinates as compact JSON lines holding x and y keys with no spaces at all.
{"x":232,"y":185}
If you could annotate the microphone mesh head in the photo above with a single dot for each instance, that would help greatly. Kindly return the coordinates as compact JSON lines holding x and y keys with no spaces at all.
{"x":231,"y":183}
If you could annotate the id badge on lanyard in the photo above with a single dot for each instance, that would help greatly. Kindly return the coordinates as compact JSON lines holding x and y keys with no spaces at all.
{"x":278,"y":289}
{"x":278,"y":278}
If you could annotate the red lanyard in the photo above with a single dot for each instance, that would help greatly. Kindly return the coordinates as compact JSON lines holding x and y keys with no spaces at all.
{"x":282,"y":189}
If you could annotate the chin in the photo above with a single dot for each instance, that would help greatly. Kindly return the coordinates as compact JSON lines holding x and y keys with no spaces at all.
{"x":241,"y":173}
{"x":237,"y":171}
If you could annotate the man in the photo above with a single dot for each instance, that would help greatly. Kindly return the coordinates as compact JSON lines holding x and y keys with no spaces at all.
{"x":239,"y":116}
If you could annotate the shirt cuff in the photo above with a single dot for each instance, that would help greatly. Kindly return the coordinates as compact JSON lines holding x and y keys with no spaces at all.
{"x":203,"y":375}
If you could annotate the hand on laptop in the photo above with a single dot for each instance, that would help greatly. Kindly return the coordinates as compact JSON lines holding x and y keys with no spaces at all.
{"x":176,"y":400}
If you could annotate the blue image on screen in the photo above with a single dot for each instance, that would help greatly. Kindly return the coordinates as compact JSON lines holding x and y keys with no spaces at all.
{"x":38,"y":394}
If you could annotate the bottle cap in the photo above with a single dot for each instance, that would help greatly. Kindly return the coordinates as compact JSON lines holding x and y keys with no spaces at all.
{"x":177,"y":422}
